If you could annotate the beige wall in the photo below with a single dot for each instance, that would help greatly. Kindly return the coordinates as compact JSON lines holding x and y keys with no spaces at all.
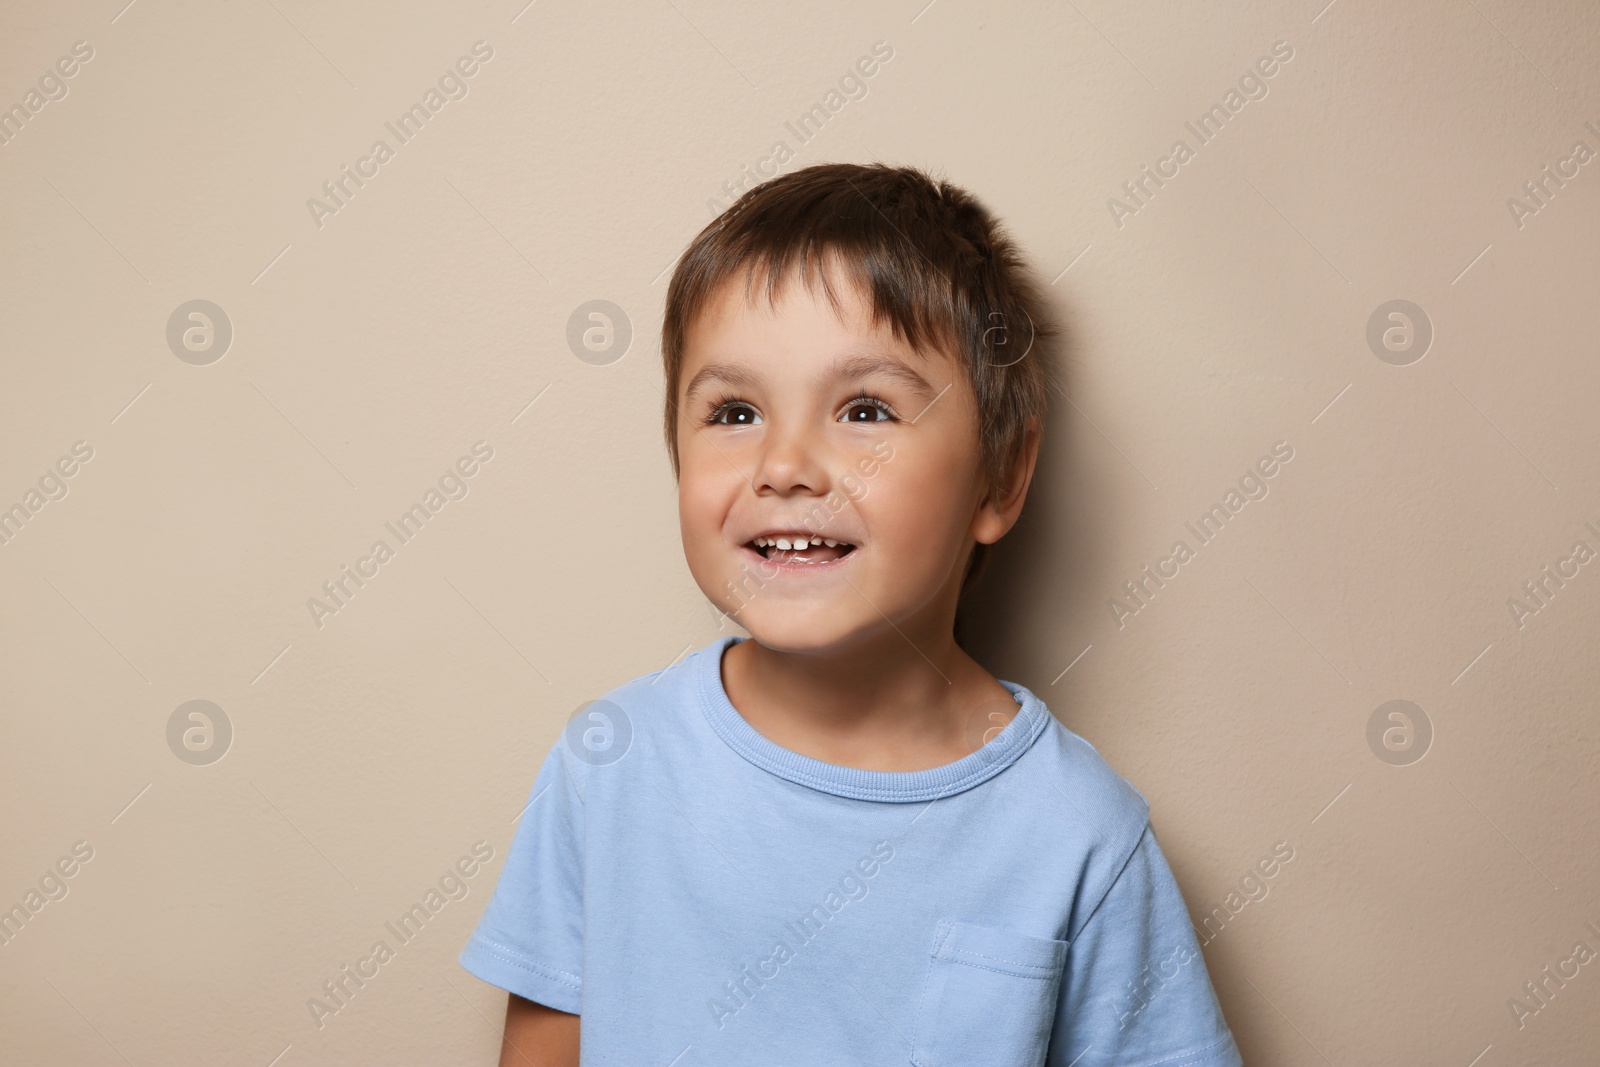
{"x":371,"y":351}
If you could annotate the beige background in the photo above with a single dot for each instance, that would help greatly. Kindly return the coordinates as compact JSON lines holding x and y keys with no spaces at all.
{"x":1229,"y":313}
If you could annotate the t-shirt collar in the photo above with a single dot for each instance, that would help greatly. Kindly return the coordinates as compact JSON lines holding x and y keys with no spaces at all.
{"x":888,"y":786}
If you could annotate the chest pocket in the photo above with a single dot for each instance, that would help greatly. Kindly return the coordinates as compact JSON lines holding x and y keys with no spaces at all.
{"x":989,"y":999}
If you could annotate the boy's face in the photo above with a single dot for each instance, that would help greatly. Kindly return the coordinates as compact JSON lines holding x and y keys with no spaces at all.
{"x":795,"y":422}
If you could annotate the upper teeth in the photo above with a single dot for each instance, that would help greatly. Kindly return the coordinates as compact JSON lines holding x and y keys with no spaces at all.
{"x":795,"y":544}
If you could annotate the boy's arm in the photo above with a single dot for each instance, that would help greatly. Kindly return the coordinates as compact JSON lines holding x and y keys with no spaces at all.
{"x":537,"y":1036}
{"x":529,"y":940}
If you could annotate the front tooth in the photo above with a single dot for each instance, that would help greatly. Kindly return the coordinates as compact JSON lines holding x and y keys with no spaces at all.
{"x":801,"y":544}
{"x":783,"y":543}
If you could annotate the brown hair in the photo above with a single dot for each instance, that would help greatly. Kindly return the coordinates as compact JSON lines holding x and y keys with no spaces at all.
{"x":929,"y":258}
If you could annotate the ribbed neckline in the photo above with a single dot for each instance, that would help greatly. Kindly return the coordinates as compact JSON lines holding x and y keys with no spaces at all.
{"x":888,"y":786}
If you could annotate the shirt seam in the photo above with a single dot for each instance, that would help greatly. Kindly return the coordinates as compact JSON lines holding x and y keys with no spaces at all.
{"x":1121,"y":870}
{"x":957,"y":954}
{"x":785,"y":766}
{"x":516,"y":959}
{"x":1193,"y":1056}
{"x":1009,"y":974}
{"x":569,"y":777}
{"x":954,"y":953}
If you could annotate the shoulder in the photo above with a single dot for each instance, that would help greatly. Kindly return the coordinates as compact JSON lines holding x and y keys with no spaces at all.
{"x":665,"y":696}
{"x":1069,"y":779}
{"x":651,"y":713}
{"x":1098,"y":820}
{"x":1070,"y":762}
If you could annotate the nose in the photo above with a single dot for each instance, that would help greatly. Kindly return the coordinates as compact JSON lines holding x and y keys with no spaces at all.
{"x":790,"y":462}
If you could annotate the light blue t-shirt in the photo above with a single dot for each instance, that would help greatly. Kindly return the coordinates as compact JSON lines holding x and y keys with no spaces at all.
{"x":701,"y":895}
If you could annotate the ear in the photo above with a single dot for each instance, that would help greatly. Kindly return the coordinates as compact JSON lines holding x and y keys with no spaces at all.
{"x":1001,"y":505}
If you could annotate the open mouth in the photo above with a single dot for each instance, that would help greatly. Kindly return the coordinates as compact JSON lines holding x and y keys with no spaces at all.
{"x":796,"y":549}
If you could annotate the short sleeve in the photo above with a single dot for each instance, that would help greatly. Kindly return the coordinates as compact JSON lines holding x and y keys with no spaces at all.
{"x":530,"y":938}
{"x":1136,"y":989}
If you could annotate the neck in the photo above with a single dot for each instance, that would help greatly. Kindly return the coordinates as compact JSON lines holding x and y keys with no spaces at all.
{"x":892,"y":700}
{"x":890,"y":667}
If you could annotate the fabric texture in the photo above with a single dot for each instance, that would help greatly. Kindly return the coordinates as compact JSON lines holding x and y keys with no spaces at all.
{"x":701,"y":895}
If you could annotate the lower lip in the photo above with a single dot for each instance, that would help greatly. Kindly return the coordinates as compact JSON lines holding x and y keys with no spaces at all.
{"x":773,"y":568}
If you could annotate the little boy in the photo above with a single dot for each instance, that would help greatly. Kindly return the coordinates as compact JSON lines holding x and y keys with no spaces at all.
{"x":840,"y":840}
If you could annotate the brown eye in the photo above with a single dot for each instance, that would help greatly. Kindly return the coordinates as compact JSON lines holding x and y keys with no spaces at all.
{"x":735,"y":413}
{"x":867,"y":409}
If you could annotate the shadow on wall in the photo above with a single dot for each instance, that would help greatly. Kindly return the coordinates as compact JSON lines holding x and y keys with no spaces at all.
{"x":1040,"y":600}
{"x":1032,"y":609}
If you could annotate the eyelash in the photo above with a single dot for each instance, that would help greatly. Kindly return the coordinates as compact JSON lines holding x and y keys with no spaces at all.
{"x":721,"y":405}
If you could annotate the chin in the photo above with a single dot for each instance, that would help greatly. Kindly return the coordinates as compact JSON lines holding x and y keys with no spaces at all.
{"x":796,"y":631}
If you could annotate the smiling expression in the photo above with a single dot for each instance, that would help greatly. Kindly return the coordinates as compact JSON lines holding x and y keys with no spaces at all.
{"x":829,"y":487}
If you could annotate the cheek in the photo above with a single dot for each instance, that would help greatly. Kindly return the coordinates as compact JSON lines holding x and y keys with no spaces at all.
{"x":918,"y":503}
{"x":705,"y":494}
{"x":694,"y":512}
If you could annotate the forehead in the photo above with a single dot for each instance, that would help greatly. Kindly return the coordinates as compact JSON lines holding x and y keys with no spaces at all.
{"x":800,"y":318}
{"x":743,"y":303}
{"x":740,"y":337}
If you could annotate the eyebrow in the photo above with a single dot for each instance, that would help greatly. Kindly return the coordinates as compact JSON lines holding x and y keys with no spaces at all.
{"x":850,"y":369}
